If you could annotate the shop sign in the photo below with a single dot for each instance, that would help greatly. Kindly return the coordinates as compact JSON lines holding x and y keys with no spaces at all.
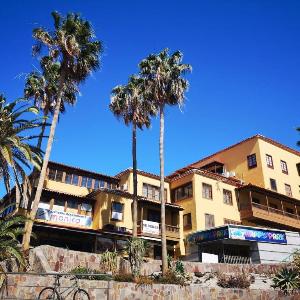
{"x":209,"y":235}
{"x":258,"y":235}
{"x":63,"y":217}
{"x":150,"y":227}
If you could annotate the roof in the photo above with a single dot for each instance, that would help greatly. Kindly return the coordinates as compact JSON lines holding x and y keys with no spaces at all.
{"x":140,"y":172}
{"x":83,"y":170}
{"x":187,"y":171}
{"x":257,"y":136}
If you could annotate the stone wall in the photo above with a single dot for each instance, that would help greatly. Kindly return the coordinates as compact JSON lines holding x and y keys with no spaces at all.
{"x":25,"y":287}
{"x":48,"y":259}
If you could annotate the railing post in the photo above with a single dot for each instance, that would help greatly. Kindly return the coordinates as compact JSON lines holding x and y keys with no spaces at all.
{"x":296,"y":211}
{"x":267,"y":198}
{"x":282,"y":207}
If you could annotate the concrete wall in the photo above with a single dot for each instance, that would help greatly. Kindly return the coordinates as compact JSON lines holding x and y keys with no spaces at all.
{"x":48,"y":259}
{"x":25,"y":287}
{"x":275,"y":253}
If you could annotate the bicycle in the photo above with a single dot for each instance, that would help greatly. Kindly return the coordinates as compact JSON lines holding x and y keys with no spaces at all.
{"x":54,"y":293}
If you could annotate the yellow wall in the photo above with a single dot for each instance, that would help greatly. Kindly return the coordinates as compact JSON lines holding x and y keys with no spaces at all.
{"x":235,"y":159}
{"x":66,"y":188}
{"x":102,"y":211}
{"x":292,"y":178}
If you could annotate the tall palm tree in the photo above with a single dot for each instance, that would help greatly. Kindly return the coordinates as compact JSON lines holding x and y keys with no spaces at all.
{"x":129,"y":104}
{"x":165,"y":85}
{"x":72,"y":47}
{"x":16,"y":151}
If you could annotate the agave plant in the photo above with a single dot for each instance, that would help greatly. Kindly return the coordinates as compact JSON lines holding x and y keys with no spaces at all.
{"x":109,"y":261}
{"x":286,"y":280}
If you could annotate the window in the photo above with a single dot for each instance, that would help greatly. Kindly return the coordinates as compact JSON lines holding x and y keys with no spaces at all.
{"x":52,"y":174}
{"x":269,"y":160}
{"x":231,"y":222}
{"x":207,"y":191}
{"x":59,"y":205}
{"x":252,"y":161}
{"x":75,"y":179}
{"x":89,"y":183}
{"x":117,"y":211}
{"x":152,"y":192}
{"x":298,"y":168}
{"x":209,"y":221}
{"x":227,"y":197}
{"x":255,"y":200}
{"x":59,"y":175}
{"x":284,"y":168}
{"x":288,"y":190}
{"x":83,"y":181}
{"x":187,"y":221}
{"x":273,"y":184}
{"x":183,"y":192}
{"x":68,"y":178}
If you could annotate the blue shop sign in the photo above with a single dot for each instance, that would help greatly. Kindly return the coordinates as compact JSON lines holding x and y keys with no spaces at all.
{"x":258,"y":235}
{"x":209,"y":235}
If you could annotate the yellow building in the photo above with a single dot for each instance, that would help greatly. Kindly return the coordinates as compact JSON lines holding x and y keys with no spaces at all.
{"x":254,"y":182}
{"x":269,"y":173}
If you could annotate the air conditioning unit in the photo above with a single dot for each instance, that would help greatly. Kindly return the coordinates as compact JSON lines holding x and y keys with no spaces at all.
{"x":226,"y":174}
{"x":124,"y":187}
{"x":232,"y":174}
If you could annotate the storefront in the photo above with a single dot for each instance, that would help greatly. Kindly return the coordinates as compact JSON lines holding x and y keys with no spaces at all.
{"x":242,"y":244}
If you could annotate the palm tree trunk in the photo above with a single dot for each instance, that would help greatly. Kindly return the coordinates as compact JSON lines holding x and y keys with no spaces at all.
{"x":29,"y":223}
{"x":39,"y":144}
{"x":162,"y":193}
{"x":134,"y":165}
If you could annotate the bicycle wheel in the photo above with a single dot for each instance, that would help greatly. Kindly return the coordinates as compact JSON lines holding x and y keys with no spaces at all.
{"x":48,"y":293}
{"x":81,"y":294}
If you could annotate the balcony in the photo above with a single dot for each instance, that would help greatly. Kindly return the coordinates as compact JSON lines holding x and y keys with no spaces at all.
{"x":268,"y":208}
{"x":153,"y":229}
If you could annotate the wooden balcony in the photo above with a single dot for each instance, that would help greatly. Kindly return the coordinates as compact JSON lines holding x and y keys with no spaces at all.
{"x":172,"y":232}
{"x":264,"y":207}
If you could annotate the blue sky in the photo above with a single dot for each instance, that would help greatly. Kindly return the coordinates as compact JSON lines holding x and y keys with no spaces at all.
{"x":245,"y":80}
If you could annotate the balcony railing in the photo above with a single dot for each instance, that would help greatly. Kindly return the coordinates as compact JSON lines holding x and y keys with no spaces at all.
{"x":275,"y":210}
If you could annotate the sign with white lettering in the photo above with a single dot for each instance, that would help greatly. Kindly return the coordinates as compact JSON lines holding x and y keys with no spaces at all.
{"x":63,"y":217}
{"x":150,"y":227}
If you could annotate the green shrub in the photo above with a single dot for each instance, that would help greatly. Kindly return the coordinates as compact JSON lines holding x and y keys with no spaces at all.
{"x":179,"y":267}
{"x":240,"y":281}
{"x":124,"y":278}
{"x":287,"y":280}
{"x":172,"y":277}
{"x":94,"y":274}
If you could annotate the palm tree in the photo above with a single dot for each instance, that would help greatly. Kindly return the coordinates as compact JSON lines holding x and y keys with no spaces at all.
{"x":129,"y":104}
{"x":42,"y":88}
{"x":10,"y":230}
{"x":72,"y":47}
{"x":165,"y":85}
{"x":16,"y":152}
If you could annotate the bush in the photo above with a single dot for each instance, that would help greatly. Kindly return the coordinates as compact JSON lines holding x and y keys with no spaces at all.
{"x":143,"y":280}
{"x":172,"y":277}
{"x":95,"y":275}
{"x":124,"y":278}
{"x":240,"y":281}
{"x":287,"y":280}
